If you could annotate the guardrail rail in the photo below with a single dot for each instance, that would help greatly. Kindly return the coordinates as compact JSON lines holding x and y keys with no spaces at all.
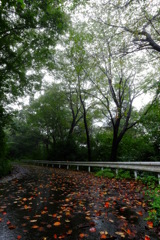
{"x":135,"y":166}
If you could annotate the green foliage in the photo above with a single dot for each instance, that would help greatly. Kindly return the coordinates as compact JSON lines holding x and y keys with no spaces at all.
{"x":136,"y":146}
{"x":153,"y":198}
{"x":101,"y":145}
{"x":148,"y":180}
{"x":105,"y":173}
{"x":66,"y":150}
{"x":24,"y":48}
{"x":151,"y":123}
{"x":123,"y":174}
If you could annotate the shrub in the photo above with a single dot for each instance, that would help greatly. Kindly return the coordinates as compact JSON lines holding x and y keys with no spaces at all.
{"x":148,"y":180}
{"x":123,"y":174}
{"x":153,"y":195}
{"x":105,"y":173}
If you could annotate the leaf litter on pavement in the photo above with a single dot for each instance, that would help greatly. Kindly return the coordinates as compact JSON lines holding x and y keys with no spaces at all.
{"x":61,"y":204}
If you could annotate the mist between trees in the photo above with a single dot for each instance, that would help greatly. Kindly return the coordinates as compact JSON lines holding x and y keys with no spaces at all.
{"x":102,"y":57}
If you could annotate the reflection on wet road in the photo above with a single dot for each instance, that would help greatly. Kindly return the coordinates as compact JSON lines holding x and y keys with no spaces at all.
{"x":51,"y":204}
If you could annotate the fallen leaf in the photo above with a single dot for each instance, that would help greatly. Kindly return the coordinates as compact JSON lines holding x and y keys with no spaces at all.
{"x":57,"y":224}
{"x":128,"y":231}
{"x":147,"y":237}
{"x":103,"y":236}
{"x":104,"y":232}
{"x":92,"y":229}
{"x":81,"y":235}
{"x":67,"y":220}
{"x":120,"y":234}
{"x":35,"y":227}
{"x":55,"y":236}
{"x":49,"y":226}
{"x":41,"y":229}
{"x":11,"y":227}
{"x":140,"y":213}
{"x":69,"y":232}
{"x":150,"y":224}
{"x":106,"y":204}
{"x":32,"y":221}
{"x":19,"y":237}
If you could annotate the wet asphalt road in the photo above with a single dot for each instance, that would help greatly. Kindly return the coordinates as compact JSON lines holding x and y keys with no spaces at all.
{"x":44,"y":204}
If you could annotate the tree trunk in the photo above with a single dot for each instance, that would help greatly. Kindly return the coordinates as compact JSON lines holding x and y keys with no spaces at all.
{"x":114,"y":150}
{"x":72,"y":127}
{"x":115,"y":141}
{"x":86,"y":129}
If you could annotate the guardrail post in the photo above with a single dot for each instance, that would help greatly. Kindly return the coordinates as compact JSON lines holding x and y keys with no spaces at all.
{"x":59,"y":165}
{"x":67,"y":167}
{"x":159,"y":178}
{"x":135,"y":174}
{"x":102,"y":168}
{"x":53,"y":165}
{"x":89,"y":169}
{"x":116,"y":171}
{"x":77,"y":168}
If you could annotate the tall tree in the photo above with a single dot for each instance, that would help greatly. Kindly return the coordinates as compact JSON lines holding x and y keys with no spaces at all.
{"x":138,"y":21}
{"x":29,"y":30}
{"x":71,"y":67}
{"x":120,"y":78}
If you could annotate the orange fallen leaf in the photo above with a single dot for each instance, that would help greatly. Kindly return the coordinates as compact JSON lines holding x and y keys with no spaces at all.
{"x":61,"y":237}
{"x":55,"y":236}
{"x":19,"y":237}
{"x":103,"y":236}
{"x":128,"y":231}
{"x":41,"y":229}
{"x":35,"y":227}
{"x":81,"y":235}
{"x":43,"y":212}
{"x":67,"y":199}
{"x":140,"y":213}
{"x":11,"y":227}
{"x":69,"y":232}
{"x":24,"y":224}
{"x":106,"y":204}
{"x":147,"y":237}
{"x":57,"y":224}
{"x":150,"y":224}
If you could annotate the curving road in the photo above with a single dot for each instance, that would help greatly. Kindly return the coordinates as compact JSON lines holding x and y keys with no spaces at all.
{"x":45,"y":204}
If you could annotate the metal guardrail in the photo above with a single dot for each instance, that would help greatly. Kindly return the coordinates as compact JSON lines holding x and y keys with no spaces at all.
{"x":135,"y":166}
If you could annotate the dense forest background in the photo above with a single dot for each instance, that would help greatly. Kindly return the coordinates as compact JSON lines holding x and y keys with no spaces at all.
{"x":101,"y":102}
